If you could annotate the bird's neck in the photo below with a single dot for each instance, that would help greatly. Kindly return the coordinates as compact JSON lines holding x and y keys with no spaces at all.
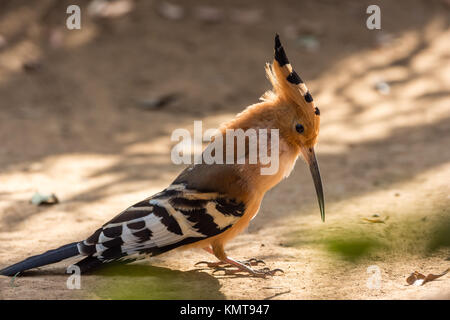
{"x":260,"y":182}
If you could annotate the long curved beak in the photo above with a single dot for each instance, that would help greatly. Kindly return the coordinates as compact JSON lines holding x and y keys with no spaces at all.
{"x":310,"y":158}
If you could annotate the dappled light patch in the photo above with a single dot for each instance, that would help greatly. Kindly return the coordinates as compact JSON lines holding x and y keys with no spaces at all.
{"x":96,"y":132}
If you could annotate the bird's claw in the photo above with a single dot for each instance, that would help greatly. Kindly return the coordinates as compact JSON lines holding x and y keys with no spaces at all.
{"x":210,"y":264}
{"x":253,"y":262}
{"x":262,"y":273}
{"x":270,"y":272}
{"x":250,"y":262}
{"x":231,"y":267}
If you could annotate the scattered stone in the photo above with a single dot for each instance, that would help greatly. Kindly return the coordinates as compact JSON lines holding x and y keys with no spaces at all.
{"x":170,"y":11}
{"x":39,"y":199}
{"x":158,"y":102}
{"x":383,"y":87}
{"x":31,"y":65}
{"x":309,"y":42}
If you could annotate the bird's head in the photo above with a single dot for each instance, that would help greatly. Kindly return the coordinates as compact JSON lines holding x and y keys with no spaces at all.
{"x":296,"y":116}
{"x":288,"y":107}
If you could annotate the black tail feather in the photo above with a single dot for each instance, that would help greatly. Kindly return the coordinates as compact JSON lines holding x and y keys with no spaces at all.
{"x":49,"y":257}
{"x":89,"y":264}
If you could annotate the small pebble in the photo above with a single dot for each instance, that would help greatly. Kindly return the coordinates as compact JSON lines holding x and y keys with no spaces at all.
{"x":383,"y":87}
{"x":170,"y":11}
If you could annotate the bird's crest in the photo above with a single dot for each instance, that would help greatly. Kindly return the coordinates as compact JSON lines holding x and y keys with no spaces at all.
{"x":287,"y":84}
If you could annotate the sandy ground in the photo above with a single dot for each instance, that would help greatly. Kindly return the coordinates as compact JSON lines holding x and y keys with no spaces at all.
{"x":75,"y":123}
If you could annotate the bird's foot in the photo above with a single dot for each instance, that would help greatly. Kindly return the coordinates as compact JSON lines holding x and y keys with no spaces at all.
{"x":261,"y":273}
{"x":230,"y":266}
{"x":222,"y":264}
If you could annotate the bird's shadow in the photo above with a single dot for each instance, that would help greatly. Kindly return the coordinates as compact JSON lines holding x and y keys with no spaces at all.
{"x":141,"y":281}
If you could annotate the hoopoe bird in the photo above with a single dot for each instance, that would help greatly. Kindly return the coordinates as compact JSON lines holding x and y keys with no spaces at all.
{"x":209,"y":204}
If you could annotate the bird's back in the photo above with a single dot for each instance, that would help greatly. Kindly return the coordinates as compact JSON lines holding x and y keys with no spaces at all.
{"x":177,"y":216}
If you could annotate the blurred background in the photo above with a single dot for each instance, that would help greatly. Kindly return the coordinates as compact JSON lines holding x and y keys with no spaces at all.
{"x":87,"y":115}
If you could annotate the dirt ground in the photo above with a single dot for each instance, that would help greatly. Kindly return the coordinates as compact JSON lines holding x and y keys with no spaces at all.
{"x":78,"y":117}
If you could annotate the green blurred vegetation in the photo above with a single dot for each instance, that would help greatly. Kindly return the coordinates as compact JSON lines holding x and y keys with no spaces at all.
{"x":441,"y":236}
{"x":421,"y":234}
{"x":351,"y":248}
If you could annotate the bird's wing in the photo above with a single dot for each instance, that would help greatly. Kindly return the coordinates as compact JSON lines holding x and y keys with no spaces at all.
{"x":174,"y":217}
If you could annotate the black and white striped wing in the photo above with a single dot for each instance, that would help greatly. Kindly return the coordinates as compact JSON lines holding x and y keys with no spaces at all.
{"x":172,"y":218}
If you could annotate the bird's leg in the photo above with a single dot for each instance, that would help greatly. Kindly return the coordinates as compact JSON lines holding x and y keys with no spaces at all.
{"x":217,"y":264}
{"x":244,"y":266}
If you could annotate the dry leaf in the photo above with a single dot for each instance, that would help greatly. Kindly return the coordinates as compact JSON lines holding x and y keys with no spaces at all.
{"x":277,"y":294}
{"x":376,"y":219}
{"x":419,"y":279}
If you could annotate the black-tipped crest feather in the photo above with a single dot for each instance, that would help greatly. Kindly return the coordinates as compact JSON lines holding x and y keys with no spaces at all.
{"x":280,"y":55}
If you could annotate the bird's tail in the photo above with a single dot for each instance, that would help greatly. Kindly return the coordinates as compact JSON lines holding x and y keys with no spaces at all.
{"x":49,"y":257}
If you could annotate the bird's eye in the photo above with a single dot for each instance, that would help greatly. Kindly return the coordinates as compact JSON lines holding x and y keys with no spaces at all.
{"x":299,"y":127}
